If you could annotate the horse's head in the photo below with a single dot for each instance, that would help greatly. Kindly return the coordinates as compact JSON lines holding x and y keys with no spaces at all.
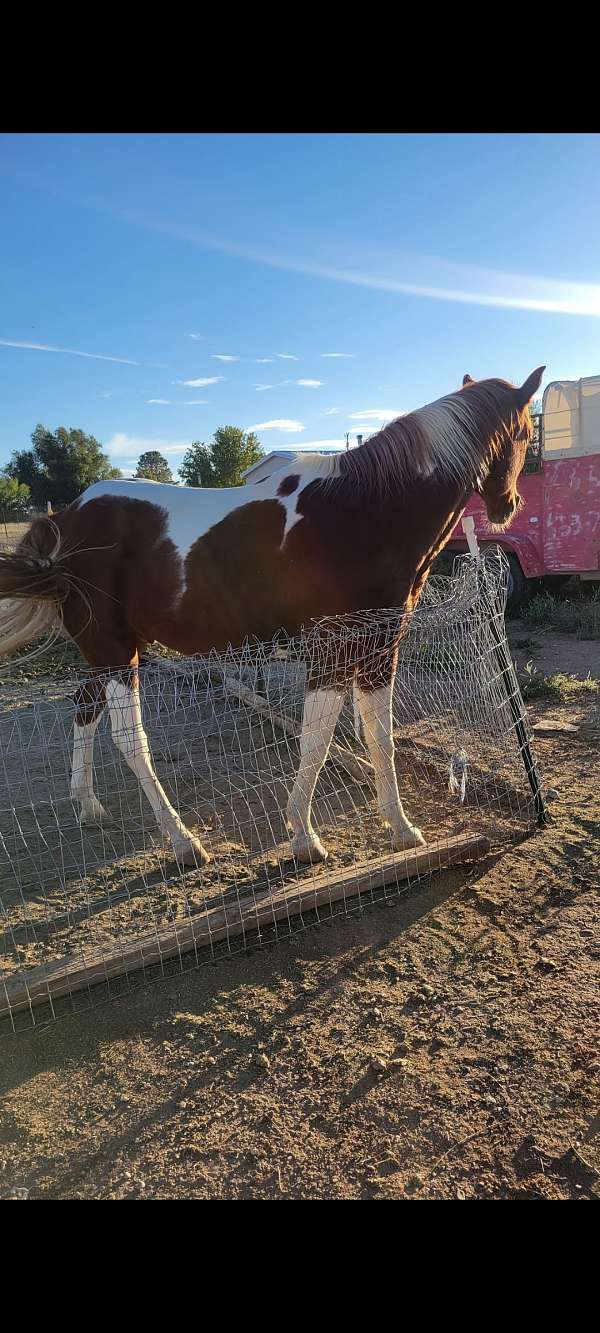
{"x":512,"y":435}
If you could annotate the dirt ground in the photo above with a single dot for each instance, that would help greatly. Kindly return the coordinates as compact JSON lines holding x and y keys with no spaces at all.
{"x":551,"y":652}
{"x":11,"y":534}
{"x":442,"y":1045}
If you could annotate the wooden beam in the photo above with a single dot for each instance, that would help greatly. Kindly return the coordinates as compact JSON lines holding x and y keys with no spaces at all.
{"x":68,"y":975}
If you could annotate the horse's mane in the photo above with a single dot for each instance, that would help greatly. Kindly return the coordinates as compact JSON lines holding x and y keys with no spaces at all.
{"x":457,"y":437}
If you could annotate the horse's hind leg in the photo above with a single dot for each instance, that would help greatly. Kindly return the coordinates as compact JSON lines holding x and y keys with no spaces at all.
{"x":123,"y":699}
{"x":111,"y":650}
{"x":90,"y":702}
{"x":375,"y":705}
{"x":321,"y":712}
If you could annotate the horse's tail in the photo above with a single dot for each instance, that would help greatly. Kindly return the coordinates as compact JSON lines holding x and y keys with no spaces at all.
{"x":34,"y":582}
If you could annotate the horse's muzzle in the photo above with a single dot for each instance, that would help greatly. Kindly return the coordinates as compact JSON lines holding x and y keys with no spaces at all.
{"x":503,"y":512}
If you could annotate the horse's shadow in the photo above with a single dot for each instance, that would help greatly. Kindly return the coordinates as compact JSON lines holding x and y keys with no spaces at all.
{"x":126,"y":1014}
{"x":195,"y":1000}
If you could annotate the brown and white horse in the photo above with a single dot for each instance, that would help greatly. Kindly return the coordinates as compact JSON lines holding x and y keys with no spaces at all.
{"x":131,"y":562}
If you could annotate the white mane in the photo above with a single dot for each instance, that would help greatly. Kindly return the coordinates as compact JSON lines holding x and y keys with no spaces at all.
{"x":456,"y":437}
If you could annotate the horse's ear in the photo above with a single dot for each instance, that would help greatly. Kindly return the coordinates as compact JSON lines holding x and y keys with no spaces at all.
{"x":467,"y":380}
{"x":530,"y":387}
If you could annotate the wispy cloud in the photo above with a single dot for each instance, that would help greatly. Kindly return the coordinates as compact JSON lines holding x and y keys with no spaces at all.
{"x":393,"y":271}
{"x":122,"y":446}
{"x":444,"y":280}
{"x":197,"y":337}
{"x":163,"y":401}
{"x":376,"y":414}
{"x":69,"y":351}
{"x":198,"y":384}
{"x":186,"y":402}
{"x":406,"y":274}
{"x":260,"y":388}
{"x":109,"y":394}
{"x":280,"y":423}
{"x":264,"y":360}
{"x":285,"y":356}
{"x":217,"y":357}
{"x":304,"y":384}
{"x":333,"y":412}
{"x":340,"y":356}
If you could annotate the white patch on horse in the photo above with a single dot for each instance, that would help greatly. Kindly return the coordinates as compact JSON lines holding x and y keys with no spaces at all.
{"x":191,"y":511}
{"x":308,"y":467}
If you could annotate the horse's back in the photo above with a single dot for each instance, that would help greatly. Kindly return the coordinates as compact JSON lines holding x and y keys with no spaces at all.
{"x":186,"y":513}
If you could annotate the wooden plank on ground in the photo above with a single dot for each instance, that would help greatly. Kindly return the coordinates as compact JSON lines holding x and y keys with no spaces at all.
{"x":68,"y":975}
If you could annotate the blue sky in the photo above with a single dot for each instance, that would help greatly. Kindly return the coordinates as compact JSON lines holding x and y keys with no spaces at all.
{"x":348,"y":277}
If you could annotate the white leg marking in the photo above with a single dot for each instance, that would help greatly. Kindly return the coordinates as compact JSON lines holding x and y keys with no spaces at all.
{"x":321,"y":712}
{"x":376,"y":713}
{"x":82,"y":773}
{"x":130,"y":738}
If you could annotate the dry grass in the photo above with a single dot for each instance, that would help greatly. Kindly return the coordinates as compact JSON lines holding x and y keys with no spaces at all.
{"x":535,"y":685}
{"x":11,"y":534}
{"x":579,"y":616}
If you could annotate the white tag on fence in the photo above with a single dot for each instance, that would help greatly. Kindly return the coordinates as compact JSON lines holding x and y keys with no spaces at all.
{"x":468,"y":527}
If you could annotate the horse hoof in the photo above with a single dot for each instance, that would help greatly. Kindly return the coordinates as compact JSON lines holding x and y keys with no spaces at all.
{"x":308,"y":852}
{"x":92,"y":812}
{"x":192,"y":853}
{"x":411,"y":837}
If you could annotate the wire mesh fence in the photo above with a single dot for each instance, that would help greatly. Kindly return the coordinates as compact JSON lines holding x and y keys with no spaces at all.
{"x":90,"y":909}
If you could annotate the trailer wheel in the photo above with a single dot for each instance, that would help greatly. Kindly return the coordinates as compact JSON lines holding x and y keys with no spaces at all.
{"x":517,"y":584}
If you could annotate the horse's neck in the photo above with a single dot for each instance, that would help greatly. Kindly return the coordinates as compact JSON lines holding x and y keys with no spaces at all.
{"x":426,"y":520}
{"x":424,"y":509}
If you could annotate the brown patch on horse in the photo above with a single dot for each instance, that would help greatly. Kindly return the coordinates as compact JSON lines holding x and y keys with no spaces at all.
{"x":288,"y":485}
{"x":118,"y":551}
{"x":89,"y":700}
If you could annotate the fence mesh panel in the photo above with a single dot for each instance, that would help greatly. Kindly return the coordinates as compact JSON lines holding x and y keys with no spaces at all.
{"x":87,"y":910}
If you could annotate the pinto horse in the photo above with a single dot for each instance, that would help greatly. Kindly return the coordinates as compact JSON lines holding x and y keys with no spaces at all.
{"x":131,"y":562}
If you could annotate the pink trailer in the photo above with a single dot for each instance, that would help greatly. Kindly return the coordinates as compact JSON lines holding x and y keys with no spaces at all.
{"x":557,"y":533}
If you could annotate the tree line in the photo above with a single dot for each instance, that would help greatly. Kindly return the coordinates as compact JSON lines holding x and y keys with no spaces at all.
{"x":61,"y":464}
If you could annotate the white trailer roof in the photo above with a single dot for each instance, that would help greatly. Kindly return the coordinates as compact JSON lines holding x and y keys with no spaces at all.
{"x":571,"y":412}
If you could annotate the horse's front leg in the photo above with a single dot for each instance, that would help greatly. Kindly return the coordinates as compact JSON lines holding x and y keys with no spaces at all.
{"x":123,"y":699}
{"x":321,"y":712}
{"x":376,"y":712}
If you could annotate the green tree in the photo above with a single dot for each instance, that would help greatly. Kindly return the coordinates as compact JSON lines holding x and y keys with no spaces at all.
{"x":14,"y":496}
{"x":196,"y":468}
{"x":222,"y":461}
{"x":153,"y":467}
{"x":60,"y":465}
